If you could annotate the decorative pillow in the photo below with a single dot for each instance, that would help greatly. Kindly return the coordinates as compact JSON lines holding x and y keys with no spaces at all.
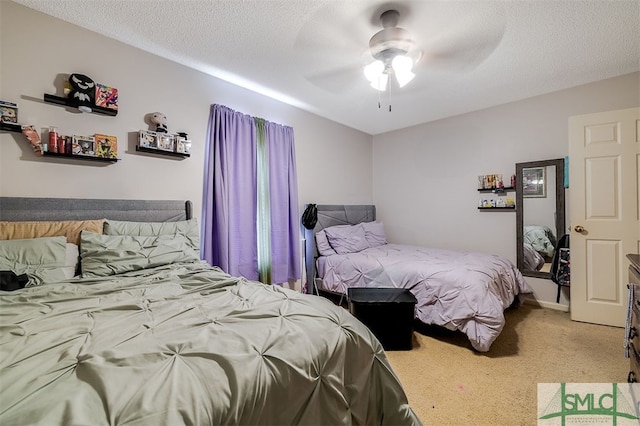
{"x":103,"y":255}
{"x":324,"y":248}
{"x":39,"y":229}
{"x":374,"y":233}
{"x":347,"y":238}
{"x":187,"y":228}
{"x":42,"y":259}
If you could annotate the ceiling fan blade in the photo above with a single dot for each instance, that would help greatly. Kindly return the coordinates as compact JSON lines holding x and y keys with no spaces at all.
{"x":459,"y":54}
{"x":338,"y":80}
{"x":331,"y":29}
{"x":458,"y":36}
{"x":332,"y":46}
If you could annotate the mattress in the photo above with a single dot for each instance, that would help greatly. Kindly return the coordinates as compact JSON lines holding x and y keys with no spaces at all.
{"x":459,"y":290}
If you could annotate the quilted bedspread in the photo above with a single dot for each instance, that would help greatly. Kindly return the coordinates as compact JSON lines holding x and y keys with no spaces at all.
{"x":463,"y":291}
{"x":188,"y":344}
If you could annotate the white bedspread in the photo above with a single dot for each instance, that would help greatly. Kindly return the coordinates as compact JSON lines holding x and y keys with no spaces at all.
{"x":463,"y":291}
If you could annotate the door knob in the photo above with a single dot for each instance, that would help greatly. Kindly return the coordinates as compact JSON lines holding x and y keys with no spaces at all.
{"x":579,"y":228}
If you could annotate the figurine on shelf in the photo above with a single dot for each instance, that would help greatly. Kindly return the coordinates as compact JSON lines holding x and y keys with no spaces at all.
{"x":160,"y":120}
{"x":8,"y":112}
{"x":106,"y":96}
{"x":33,"y":137}
{"x":83,"y":91}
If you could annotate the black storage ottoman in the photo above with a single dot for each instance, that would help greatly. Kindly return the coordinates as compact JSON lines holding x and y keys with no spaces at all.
{"x":387,"y":311}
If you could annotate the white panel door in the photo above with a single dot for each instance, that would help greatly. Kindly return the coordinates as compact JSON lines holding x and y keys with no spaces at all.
{"x":604,"y":154}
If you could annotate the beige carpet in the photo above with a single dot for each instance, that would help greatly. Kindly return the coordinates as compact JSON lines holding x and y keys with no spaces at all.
{"x":448,"y":383}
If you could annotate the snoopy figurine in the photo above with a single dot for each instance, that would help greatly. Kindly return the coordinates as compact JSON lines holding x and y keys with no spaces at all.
{"x":160,"y":120}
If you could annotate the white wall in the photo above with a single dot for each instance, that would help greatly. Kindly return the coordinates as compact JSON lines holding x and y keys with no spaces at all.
{"x":425,"y":177}
{"x":37,"y":49}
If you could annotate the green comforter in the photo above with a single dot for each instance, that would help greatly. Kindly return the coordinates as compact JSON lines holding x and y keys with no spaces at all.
{"x":188,"y":344}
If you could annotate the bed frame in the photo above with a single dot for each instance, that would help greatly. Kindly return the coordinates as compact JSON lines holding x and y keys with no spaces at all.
{"x":330,"y":215}
{"x":23,"y":209}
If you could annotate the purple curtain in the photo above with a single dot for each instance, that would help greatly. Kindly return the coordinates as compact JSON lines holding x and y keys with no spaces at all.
{"x":229,"y":233}
{"x":229,"y":199}
{"x":283,"y":193}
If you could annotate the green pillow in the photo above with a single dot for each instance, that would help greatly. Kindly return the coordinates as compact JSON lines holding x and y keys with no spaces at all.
{"x":42,"y":259}
{"x":187,"y":228}
{"x":103,"y":255}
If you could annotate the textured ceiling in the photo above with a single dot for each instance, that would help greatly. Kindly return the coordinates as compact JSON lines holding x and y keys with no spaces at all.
{"x":310,"y":54}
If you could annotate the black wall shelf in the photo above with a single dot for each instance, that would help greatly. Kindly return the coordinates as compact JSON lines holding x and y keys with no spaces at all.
{"x":11,"y":127}
{"x":161,"y":152}
{"x":80,"y":157}
{"x":497,"y":208}
{"x":498,"y":190}
{"x":58,"y":100}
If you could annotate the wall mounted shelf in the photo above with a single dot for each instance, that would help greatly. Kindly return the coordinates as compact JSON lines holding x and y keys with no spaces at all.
{"x":161,"y":152}
{"x":58,"y":100}
{"x":498,"y":190}
{"x":80,"y":157}
{"x":11,"y":127}
{"x":498,"y":208}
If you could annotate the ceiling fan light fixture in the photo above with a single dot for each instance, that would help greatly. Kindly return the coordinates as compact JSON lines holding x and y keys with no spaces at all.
{"x":402,"y":66}
{"x":375,"y":73}
{"x":390,"y":47}
{"x":373,"y":70}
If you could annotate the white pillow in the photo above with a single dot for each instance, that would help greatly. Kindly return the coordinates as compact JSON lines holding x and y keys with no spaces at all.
{"x":374,"y":233}
{"x":324,"y":248}
{"x":347,"y":238}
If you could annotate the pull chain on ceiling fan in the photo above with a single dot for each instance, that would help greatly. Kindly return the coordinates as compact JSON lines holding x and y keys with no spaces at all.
{"x":390,"y":47}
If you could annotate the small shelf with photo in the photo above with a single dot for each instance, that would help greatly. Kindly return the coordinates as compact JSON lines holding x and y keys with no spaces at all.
{"x":165,"y":144}
{"x":98,"y":147}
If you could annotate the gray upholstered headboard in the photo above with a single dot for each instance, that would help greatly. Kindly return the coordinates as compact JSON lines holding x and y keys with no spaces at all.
{"x":330,"y":215}
{"x":21,"y":209}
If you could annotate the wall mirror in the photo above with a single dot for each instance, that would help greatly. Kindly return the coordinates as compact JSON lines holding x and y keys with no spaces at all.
{"x":540,"y":214}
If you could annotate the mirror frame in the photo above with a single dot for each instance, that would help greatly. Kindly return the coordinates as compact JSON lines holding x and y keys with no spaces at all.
{"x":560,"y":210}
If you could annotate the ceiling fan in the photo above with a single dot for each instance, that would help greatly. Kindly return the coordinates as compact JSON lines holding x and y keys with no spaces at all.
{"x":394,"y":52}
{"x":440,"y":39}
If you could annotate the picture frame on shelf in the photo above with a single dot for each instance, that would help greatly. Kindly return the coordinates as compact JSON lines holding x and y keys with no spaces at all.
{"x":534,"y":182}
{"x":8,"y":112}
{"x":148,"y":139}
{"x":84,"y":145}
{"x":106,"y":146}
{"x":183,"y":146}
{"x":106,"y":96}
{"x":166,"y":142}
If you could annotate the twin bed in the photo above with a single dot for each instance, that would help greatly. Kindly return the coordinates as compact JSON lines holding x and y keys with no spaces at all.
{"x":121,"y":323}
{"x":463,"y":291}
